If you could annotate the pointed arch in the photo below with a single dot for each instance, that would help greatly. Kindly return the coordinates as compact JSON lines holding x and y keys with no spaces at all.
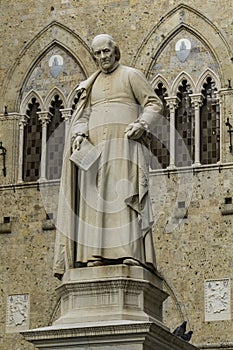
{"x":50,"y":96}
{"x":208,"y":73}
{"x":53,"y":34}
{"x":27,"y":99}
{"x":178,"y":81}
{"x":160,"y":79}
{"x":191,"y":20}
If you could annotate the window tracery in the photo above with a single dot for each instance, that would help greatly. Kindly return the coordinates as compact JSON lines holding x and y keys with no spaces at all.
{"x":192,"y":135}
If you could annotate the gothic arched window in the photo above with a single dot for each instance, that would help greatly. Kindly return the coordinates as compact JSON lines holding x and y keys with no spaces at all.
{"x":185,"y":127}
{"x":160,"y":140}
{"x":210,"y":124}
{"x":55,"y":140}
{"x":32,"y":143}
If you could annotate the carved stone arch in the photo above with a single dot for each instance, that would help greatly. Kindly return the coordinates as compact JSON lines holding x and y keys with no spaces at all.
{"x":55,"y":91}
{"x":178,"y":82}
{"x":184,"y":17}
{"x":203,"y":77}
{"x":160,"y":79}
{"x":27,"y":99}
{"x":53,"y":34}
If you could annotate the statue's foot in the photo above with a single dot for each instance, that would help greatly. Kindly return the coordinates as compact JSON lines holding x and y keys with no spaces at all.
{"x":131,"y":262}
{"x":95,"y":263}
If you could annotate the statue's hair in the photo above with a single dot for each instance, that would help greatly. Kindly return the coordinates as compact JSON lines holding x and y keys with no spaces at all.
{"x":111,"y":40}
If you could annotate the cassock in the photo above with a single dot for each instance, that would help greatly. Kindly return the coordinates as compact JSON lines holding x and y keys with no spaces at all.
{"x":112,"y":217}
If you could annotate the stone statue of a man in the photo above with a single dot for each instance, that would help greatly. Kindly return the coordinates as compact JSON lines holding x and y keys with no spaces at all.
{"x":104,"y":213}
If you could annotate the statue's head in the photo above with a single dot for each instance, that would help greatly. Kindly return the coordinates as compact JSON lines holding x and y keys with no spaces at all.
{"x":105,"y":52}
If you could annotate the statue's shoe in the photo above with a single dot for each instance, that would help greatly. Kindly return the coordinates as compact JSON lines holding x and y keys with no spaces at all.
{"x":131,"y":262}
{"x":95,"y":263}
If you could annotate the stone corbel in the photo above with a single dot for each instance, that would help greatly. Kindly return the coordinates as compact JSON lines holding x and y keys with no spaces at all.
{"x":5,"y":226}
{"x":227,"y":209}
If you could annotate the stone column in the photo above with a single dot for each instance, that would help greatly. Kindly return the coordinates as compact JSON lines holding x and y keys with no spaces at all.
{"x":45,"y":118}
{"x":172,"y":103}
{"x":23,"y":119}
{"x":66,"y":115}
{"x":197,"y":100}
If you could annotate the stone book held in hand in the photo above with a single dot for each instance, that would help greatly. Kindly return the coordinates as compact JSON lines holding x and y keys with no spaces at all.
{"x":86,"y":156}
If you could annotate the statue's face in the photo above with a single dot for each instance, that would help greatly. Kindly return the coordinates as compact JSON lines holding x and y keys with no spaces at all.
{"x":104,"y":52}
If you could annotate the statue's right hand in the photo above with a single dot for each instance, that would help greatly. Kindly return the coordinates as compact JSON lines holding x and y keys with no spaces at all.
{"x":77,"y":143}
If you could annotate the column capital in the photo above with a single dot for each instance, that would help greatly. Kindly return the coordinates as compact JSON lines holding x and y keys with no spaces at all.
{"x":172,"y":102}
{"x":44,"y":117}
{"x":66,"y":114}
{"x":23,"y":119}
{"x":196,"y":100}
{"x":223,"y":94}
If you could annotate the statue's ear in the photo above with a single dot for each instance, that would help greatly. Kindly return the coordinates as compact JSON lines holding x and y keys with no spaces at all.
{"x":118,"y":53}
{"x":94,"y":58}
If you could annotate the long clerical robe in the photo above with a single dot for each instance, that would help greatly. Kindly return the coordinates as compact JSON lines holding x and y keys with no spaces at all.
{"x":114,"y":216}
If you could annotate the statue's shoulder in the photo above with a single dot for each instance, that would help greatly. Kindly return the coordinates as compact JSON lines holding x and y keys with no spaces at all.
{"x":85,"y":84}
{"x":131,"y":71}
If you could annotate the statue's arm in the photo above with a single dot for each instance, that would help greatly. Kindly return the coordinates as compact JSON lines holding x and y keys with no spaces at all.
{"x":149,"y":103}
{"x":80,"y":125}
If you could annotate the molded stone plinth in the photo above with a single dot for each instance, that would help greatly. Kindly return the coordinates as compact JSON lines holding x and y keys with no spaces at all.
{"x":118,"y":335}
{"x":115,"y":307}
{"x":113,"y":292}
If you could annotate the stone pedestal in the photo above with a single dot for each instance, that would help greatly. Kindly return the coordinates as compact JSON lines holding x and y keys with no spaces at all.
{"x":118,"y":335}
{"x":110,"y":293}
{"x":109,"y":308}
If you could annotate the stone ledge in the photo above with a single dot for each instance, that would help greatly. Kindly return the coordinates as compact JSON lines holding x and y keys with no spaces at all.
{"x":122,"y":335}
{"x":5,"y":227}
{"x":48,"y":225}
{"x":227,"y":209}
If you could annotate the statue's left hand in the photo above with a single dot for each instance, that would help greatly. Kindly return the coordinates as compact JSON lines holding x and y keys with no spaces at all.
{"x":134,"y":131}
{"x":77,"y":143}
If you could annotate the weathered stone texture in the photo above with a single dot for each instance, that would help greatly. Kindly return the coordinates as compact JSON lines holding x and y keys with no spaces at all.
{"x":189,"y":250}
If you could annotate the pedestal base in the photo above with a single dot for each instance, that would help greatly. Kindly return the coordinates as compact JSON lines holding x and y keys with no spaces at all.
{"x":115,"y":307}
{"x":119,"y":335}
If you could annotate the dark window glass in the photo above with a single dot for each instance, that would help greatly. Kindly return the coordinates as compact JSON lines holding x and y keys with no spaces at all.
{"x":32,"y":143}
{"x":160,"y":143}
{"x":210,"y":124}
{"x":55,"y":140}
{"x":184,"y":127}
